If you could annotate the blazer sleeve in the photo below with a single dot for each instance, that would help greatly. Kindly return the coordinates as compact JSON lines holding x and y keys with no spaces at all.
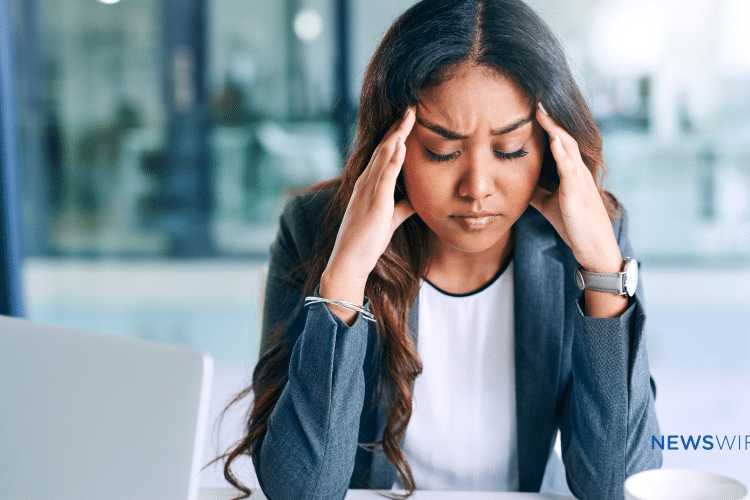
{"x":309,"y":447}
{"x":608,"y":410}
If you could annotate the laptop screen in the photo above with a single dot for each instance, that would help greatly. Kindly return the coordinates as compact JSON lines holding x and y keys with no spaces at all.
{"x":87,"y":415}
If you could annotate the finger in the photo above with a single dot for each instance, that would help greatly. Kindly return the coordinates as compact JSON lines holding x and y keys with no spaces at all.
{"x":553,"y":129}
{"x":402,"y":130}
{"x":387,"y":145}
{"x":388,"y":134}
{"x":390,"y":170}
{"x":408,"y":122}
{"x":539,"y":199}
{"x":377,"y":152}
{"x":548,"y":204}
{"x":566,"y":167}
{"x":402,"y":211}
{"x":564,"y":154}
{"x":569,"y":149}
{"x":386,"y":183}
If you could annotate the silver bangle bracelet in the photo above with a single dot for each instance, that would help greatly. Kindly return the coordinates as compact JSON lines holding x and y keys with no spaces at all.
{"x":344,"y":305}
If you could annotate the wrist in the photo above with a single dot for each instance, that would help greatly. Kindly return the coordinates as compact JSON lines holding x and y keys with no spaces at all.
{"x":337,"y":285}
{"x":610,"y":262}
{"x":604,"y":304}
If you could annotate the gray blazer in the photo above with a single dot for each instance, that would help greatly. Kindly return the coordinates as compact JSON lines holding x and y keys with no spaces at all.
{"x":587,"y":377}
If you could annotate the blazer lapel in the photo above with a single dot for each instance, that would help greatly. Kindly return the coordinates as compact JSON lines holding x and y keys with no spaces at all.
{"x":539,"y":320}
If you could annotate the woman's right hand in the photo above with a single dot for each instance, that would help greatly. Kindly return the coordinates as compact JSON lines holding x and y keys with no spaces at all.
{"x":369,"y":222}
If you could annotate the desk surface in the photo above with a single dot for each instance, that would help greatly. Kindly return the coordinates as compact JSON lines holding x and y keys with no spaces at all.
{"x":228,"y":494}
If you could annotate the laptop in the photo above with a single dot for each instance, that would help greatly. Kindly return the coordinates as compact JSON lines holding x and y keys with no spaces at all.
{"x":87,"y":415}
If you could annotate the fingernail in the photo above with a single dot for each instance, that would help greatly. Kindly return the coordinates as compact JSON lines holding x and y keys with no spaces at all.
{"x":541,"y":106}
{"x":557,"y":140}
{"x":398,"y":142}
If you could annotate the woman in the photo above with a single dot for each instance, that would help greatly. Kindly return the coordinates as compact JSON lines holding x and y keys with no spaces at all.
{"x":441,"y":246}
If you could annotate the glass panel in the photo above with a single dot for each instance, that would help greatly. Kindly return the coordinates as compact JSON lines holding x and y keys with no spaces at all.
{"x":104,"y":116}
{"x":670,"y":90}
{"x":109,"y":93}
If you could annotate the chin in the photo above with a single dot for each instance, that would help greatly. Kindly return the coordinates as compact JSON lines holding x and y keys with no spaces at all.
{"x":477,"y":242}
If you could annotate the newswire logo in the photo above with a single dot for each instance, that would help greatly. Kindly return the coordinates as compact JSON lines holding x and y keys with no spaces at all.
{"x":701,"y":442}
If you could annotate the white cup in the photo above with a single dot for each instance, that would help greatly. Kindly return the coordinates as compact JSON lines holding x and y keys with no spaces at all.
{"x":678,"y":484}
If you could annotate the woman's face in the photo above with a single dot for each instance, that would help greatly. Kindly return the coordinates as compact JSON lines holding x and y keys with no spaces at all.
{"x":473,"y":158}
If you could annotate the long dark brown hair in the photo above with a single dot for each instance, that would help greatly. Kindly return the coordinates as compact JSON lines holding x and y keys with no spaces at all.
{"x":418,"y":52}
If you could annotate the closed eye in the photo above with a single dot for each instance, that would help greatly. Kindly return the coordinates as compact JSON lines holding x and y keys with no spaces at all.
{"x":499,"y":154}
{"x":436,"y":157}
{"x":511,"y":156}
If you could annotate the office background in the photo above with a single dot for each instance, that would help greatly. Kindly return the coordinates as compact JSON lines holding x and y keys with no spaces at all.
{"x":149,"y":147}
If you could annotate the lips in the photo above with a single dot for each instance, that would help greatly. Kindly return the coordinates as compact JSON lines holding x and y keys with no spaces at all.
{"x":475,"y":220}
{"x":475,"y":214}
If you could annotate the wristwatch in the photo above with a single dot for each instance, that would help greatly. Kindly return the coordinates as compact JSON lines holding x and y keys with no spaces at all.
{"x":622,"y":283}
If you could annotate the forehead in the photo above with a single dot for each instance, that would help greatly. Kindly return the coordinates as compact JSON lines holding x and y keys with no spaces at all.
{"x":473,"y":94}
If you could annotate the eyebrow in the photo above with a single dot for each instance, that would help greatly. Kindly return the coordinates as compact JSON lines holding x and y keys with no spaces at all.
{"x":448,"y":134}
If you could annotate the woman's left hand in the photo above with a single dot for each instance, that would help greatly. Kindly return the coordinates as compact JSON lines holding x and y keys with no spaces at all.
{"x":576,"y":209}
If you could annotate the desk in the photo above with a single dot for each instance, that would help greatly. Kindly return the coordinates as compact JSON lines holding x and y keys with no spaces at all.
{"x":227,"y":494}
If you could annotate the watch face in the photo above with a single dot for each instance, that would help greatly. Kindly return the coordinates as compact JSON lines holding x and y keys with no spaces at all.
{"x":631,"y":276}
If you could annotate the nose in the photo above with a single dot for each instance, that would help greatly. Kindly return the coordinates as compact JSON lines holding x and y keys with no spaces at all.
{"x":478,"y":178}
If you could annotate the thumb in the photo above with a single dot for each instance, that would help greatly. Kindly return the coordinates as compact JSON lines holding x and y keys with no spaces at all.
{"x":539,"y":199}
{"x":402,"y":211}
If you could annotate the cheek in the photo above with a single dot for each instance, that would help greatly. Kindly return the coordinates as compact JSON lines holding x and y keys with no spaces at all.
{"x":417,"y":182}
{"x":533,"y":167}
{"x":530,"y":182}
{"x":534,"y":170}
{"x":418,"y":174}
{"x":428,"y":193}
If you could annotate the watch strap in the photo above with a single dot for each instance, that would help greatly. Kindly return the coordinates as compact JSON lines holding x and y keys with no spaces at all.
{"x":602,"y":282}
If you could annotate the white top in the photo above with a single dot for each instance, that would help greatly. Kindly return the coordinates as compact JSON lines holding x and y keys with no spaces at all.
{"x":462,"y":433}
